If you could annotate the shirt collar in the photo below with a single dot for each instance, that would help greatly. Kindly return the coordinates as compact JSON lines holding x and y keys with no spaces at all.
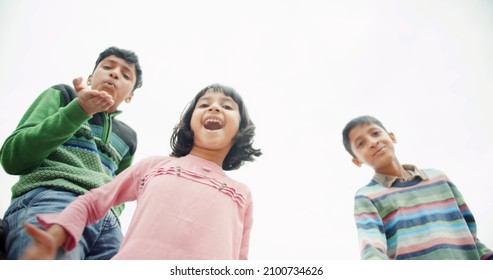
{"x":388,"y":180}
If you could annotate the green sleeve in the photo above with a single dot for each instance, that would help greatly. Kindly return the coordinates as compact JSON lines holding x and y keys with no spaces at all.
{"x":46,"y":125}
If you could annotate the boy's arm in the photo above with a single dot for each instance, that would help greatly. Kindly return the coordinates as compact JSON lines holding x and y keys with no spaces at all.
{"x":484,"y":252}
{"x":371,"y":235}
{"x":46,"y":125}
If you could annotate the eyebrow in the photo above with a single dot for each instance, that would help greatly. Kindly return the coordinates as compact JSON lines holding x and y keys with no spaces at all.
{"x":222,"y":98}
{"x":370,"y":130}
{"x":112,"y":61}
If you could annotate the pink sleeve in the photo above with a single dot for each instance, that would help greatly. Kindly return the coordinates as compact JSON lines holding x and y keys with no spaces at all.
{"x":87,"y":209}
{"x":247,"y":226}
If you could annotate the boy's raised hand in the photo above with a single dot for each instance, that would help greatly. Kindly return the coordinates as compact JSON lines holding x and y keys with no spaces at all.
{"x":90,"y":100}
{"x":43,"y":247}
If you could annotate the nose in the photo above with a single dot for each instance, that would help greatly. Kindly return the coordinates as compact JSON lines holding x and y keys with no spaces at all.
{"x":214,"y":107}
{"x":374,"y":142}
{"x":115,"y":74}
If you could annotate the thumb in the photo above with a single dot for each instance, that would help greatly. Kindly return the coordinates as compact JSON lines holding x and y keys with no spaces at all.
{"x":77,"y":82}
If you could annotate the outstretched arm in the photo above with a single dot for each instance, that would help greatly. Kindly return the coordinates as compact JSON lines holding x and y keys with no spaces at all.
{"x":46,"y":243}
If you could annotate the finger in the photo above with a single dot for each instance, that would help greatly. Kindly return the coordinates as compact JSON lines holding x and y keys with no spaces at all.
{"x":77,"y":82}
{"x":105,"y":105}
{"x":43,"y":246}
{"x":104,"y":99}
{"x":34,"y":232}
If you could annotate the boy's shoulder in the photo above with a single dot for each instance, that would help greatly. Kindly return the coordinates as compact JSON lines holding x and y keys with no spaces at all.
{"x":433,"y":172}
{"x":374,"y":187}
{"x":370,"y":188}
{"x":63,"y":91}
{"x":68,"y":93}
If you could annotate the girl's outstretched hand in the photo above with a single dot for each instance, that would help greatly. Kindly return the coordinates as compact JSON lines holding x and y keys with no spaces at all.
{"x":43,"y":247}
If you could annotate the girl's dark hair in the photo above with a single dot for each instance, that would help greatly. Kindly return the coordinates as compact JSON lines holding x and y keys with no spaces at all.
{"x":242,"y":150}
{"x":127,"y":55}
{"x":366,"y":119}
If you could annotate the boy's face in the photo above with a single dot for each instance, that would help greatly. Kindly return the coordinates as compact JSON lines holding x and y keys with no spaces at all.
{"x":115,"y":76}
{"x":372,"y":145}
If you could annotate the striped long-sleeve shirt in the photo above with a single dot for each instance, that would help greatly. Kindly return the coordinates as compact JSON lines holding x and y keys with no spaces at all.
{"x":424,"y":218}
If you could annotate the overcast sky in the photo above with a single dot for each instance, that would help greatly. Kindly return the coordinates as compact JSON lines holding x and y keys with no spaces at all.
{"x":304,"y":68}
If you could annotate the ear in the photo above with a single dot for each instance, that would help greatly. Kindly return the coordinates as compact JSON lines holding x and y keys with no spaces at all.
{"x":357,"y":162}
{"x":89,"y":80}
{"x":392,"y":136}
{"x":129,"y":97}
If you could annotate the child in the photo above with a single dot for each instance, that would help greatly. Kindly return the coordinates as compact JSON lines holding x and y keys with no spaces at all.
{"x":406,"y":212}
{"x":187,"y":207}
{"x":67,"y":143}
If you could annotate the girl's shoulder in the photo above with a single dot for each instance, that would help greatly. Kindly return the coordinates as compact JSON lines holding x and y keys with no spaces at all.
{"x":154,"y":161}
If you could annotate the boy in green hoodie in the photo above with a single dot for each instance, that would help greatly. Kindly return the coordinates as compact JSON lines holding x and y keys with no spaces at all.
{"x":67,"y":143}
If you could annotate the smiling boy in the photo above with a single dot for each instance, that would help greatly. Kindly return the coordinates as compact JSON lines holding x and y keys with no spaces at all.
{"x":406,"y":212}
{"x":67,"y":143}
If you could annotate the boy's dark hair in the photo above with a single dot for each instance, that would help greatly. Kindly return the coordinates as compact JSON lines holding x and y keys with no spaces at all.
{"x":356,"y":122}
{"x":128,"y":56}
{"x":242,"y":150}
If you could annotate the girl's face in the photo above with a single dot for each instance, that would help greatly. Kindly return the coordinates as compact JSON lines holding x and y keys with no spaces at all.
{"x":215,"y":122}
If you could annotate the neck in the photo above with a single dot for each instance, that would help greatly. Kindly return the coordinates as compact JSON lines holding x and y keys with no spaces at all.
{"x":209,"y":155}
{"x":393,"y":169}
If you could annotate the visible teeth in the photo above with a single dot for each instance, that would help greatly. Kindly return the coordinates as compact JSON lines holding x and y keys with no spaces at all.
{"x":213,"y":120}
{"x":213,"y":124}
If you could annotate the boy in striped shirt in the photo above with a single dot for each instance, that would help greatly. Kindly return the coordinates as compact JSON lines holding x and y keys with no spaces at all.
{"x":405,"y":212}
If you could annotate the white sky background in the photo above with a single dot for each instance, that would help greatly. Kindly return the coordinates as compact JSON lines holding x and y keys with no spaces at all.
{"x":304,"y":68}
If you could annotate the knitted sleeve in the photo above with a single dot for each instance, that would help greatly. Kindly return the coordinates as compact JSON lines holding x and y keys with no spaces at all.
{"x":483,"y":251}
{"x":247,"y":226}
{"x":46,"y":125}
{"x":371,"y":235}
{"x":87,"y":209}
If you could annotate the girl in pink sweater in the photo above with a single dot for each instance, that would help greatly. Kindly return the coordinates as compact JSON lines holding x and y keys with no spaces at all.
{"x":187,"y":207}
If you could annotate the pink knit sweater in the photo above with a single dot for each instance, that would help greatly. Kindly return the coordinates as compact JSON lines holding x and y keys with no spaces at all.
{"x":187,"y":208}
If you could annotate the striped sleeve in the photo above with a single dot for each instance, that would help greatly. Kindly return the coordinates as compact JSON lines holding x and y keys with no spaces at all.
{"x":371,"y":235}
{"x":484,"y":252}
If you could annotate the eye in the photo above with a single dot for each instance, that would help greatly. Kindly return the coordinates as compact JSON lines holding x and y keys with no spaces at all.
{"x":228,"y":107}
{"x":126,"y":76}
{"x":359,"y":144}
{"x":376,"y":133}
{"x":202,"y":105}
